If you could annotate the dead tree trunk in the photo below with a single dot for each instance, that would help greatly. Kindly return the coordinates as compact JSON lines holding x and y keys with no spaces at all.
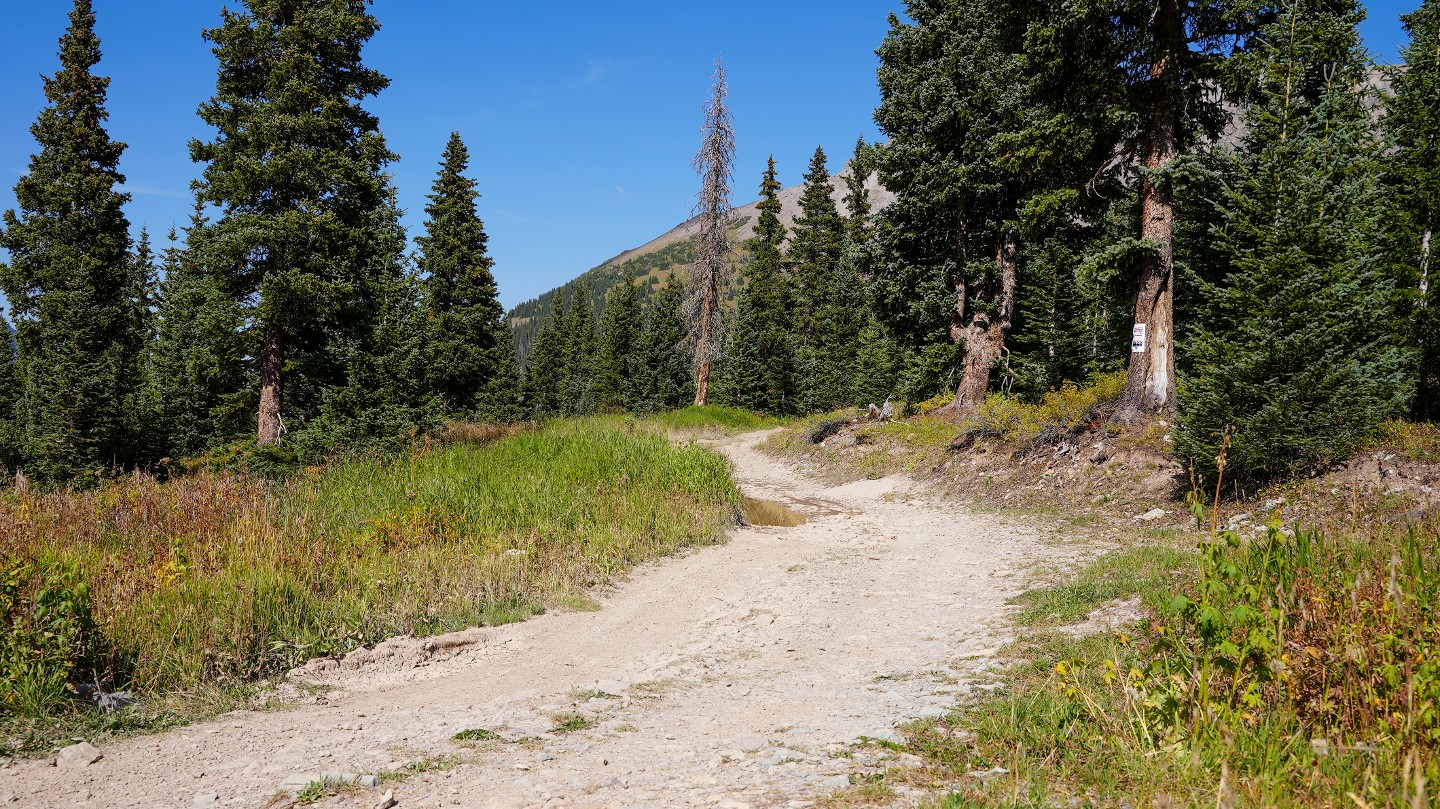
{"x":272,"y":365}
{"x":1150,"y":384}
{"x":714,"y":163}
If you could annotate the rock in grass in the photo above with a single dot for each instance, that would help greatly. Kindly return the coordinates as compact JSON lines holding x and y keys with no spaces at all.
{"x":78,"y":755}
{"x":1152,"y":515}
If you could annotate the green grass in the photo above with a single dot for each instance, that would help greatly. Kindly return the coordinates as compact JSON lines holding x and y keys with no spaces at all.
{"x":718,"y":418}
{"x":216,"y":581}
{"x":1191,"y":707}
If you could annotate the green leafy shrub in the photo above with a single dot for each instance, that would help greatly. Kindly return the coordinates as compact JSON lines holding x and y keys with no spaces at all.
{"x":1010,"y":419}
{"x":47,"y":636}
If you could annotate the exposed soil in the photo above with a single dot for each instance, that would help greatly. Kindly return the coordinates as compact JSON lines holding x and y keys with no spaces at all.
{"x":757,"y":673}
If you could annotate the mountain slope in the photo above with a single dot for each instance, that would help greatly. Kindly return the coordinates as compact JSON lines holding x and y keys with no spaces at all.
{"x":670,"y":252}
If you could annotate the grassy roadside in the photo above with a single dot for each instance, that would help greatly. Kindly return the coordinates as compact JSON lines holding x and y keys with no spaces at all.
{"x":210,"y":583}
{"x":1290,"y":658}
{"x":710,"y":420}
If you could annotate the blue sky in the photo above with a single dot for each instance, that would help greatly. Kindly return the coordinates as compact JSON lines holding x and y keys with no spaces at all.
{"x":581,"y":117}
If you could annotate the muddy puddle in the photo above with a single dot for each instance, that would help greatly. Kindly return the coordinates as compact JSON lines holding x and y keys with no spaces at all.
{"x":769,"y":512}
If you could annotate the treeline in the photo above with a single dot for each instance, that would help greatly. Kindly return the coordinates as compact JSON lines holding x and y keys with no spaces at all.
{"x":1219,"y":193}
{"x":1224,"y":197}
{"x":293,"y":310}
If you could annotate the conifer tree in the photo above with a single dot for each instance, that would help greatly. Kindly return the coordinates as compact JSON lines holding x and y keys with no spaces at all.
{"x":761,"y":357}
{"x":200,"y":388}
{"x":715,"y":164}
{"x":1302,"y":358}
{"x":621,"y":329}
{"x":953,"y":98}
{"x":664,"y":380}
{"x":1414,"y":127}
{"x":70,"y":278}
{"x":545,"y":373}
{"x":385,"y":396}
{"x":9,"y":393}
{"x":815,"y":249}
{"x":296,"y":167}
{"x":578,"y":391}
{"x":857,"y":197}
{"x":1162,"y":61}
{"x":470,"y":360}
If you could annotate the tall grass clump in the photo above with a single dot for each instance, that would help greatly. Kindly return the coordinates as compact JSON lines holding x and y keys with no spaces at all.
{"x":727,"y":420}
{"x":219,"y":578}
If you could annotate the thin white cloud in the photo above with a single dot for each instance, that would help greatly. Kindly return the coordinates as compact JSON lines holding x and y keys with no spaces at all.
{"x":151,"y":191}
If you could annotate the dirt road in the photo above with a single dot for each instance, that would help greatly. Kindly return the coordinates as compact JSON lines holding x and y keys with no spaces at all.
{"x":747,"y":674}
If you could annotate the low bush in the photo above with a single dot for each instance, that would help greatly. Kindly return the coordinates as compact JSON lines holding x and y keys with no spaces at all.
{"x":1009,"y":419}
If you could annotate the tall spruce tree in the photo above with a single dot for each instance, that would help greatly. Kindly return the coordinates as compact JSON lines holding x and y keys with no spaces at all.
{"x":547,"y":367}
{"x":1163,"y":63}
{"x":296,"y":168}
{"x":578,"y":390}
{"x":1302,"y":357}
{"x":70,"y":279}
{"x":857,"y":196}
{"x":9,"y":393}
{"x":952,"y":93}
{"x":470,"y":360}
{"x":816,"y":246}
{"x":617,"y":359}
{"x":201,"y":392}
{"x":1414,"y":128}
{"x":664,"y":381}
{"x":760,"y":365}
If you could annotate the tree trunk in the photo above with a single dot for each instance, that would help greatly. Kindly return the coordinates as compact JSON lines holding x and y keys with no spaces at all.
{"x":703,"y":358}
{"x":272,"y":364}
{"x":984,"y":336}
{"x":1425,"y":269}
{"x":1150,"y":386}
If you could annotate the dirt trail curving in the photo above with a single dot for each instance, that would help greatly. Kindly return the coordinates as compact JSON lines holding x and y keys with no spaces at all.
{"x":747,"y":674}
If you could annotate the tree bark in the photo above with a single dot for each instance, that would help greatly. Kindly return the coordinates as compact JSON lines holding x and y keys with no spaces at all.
{"x":1425,"y":269}
{"x":702,"y":346}
{"x":984,"y":336}
{"x":272,"y":364}
{"x":1150,"y":384}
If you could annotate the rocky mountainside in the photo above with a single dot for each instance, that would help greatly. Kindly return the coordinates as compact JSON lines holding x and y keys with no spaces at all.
{"x":670,"y":252}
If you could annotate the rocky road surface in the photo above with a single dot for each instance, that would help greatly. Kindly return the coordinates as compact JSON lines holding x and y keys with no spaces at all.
{"x":752,"y":674}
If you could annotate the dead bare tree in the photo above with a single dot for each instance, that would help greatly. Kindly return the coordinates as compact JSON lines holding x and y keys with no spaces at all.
{"x":715,"y":165}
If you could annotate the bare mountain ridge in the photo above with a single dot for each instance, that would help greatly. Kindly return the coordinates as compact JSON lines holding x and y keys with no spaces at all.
{"x":650,"y":263}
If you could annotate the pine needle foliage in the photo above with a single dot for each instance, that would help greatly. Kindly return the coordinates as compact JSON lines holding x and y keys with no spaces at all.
{"x":70,"y":281}
{"x":1302,"y":360}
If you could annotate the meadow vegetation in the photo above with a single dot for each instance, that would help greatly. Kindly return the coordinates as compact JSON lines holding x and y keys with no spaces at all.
{"x":218,"y":579}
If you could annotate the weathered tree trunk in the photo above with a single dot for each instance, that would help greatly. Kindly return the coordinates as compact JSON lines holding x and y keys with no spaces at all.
{"x":1150,"y":385}
{"x":272,"y":365}
{"x":703,"y":358}
{"x":1425,"y":269}
{"x":984,"y":336}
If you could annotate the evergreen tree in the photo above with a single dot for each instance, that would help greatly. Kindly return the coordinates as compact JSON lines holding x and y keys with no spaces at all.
{"x":384,"y":398}
{"x":953,"y":98}
{"x":760,"y":361}
{"x":578,"y":391}
{"x":1414,"y":127}
{"x":857,"y":197}
{"x":545,"y":374}
{"x":9,"y":393}
{"x":621,"y":329}
{"x":70,"y":279}
{"x":663,"y":381}
{"x":468,"y":354}
{"x":1303,"y":359}
{"x":201,"y":392}
{"x":296,"y":167}
{"x":815,"y":249}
